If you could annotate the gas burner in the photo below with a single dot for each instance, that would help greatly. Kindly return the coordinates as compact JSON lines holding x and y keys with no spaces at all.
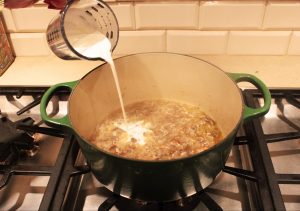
{"x":14,"y":141}
{"x":184,"y":204}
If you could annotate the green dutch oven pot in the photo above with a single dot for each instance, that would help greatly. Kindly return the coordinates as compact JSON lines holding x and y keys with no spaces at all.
{"x":155,"y":76}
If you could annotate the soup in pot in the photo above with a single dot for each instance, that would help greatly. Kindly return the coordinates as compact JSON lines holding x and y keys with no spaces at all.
{"x":157,"y":130}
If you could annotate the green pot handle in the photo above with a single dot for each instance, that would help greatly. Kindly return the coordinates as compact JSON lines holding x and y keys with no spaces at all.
{"x":250,"y":113}
{"x":56,"y":122}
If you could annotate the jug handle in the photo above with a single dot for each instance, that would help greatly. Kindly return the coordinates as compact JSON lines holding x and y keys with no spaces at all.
{"x":250,"y":113}
{"x":55,"y":122}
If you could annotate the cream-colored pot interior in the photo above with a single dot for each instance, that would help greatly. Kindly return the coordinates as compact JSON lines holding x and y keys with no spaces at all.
{"x":155,"y":76}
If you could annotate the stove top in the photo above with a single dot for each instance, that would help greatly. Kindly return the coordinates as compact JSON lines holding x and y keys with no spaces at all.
{"x":49,"y":172}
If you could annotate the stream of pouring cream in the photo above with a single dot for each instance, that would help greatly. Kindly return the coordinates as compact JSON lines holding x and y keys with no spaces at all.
{"x":134,"y":130}
{"x":101,"y":49}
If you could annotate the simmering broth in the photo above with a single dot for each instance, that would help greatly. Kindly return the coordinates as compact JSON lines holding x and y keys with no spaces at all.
{"x":157,"y":130}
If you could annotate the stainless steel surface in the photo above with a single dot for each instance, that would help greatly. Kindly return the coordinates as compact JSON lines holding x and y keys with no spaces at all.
{"x":284,"y":117}
{"x":230,"y":192}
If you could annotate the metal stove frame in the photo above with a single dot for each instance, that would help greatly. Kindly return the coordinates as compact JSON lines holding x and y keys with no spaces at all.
{"x":265,"y":191}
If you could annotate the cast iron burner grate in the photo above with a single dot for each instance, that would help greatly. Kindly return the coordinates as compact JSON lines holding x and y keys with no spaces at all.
{"x":64,"y":167}
{"x":185,"y":204}
{"x":10,"y":143}
{"x":266,"y":192}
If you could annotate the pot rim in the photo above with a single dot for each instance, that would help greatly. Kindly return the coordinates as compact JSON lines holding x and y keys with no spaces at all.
{"x":225,"y":139}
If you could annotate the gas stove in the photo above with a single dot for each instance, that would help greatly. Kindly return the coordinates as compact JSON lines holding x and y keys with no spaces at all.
{"x":42,"y":168}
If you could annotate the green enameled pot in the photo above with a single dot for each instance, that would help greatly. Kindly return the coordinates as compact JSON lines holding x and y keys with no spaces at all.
{"x":152,"y":76}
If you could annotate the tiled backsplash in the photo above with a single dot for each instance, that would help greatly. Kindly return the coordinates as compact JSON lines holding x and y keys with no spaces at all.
{"x":189,"y":27}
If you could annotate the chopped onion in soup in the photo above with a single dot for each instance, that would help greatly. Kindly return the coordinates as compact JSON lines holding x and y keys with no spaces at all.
{"x":157,"y":130}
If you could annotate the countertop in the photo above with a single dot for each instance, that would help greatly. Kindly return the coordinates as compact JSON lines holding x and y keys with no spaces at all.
{"x":274,"y":71}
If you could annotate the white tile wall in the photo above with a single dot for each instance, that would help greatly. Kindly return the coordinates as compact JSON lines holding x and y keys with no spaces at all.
{"x":258,"y":42}
{"x":9,"y":21}
{"x":30,"y":44}
{"x":179,"y":15}
{"x":33,"y":19}
{"x":125,"y":15}
{"x":257,"y":27}
{"x":197,"y":42}
{"x":141,"y":41}
{"x":282,"y":15}
{"x":294,"y":47}
{"x":231,"y":14}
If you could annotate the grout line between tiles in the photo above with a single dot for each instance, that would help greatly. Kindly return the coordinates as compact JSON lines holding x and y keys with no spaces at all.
{"x":133,"y":15}
{"x":166,"y":40}
{"x":197,"y":16}
{"x":289,"y":42}
{"x":227,"y":42}
{"x":264,"y":15}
